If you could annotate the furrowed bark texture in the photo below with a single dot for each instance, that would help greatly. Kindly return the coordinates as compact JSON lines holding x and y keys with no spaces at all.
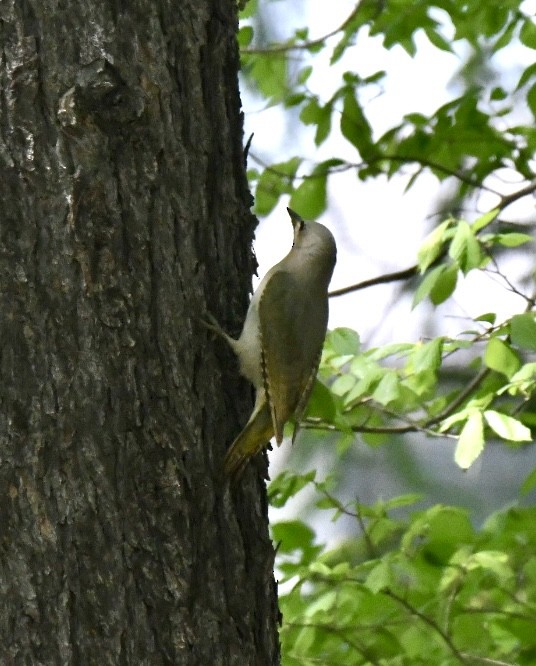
{"x":124,"y":217}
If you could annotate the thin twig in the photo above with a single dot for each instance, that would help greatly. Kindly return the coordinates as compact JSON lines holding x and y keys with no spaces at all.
{"x":405,"y":159}
{"x":368,"y":540}
{"x":460,"y":398}
{"x":508,"y":199}
{"x":468,"y":180}
{"x":413,"y":427}
{"x":505,"y":278}
{"x":404,"y":274}
{"x":283,"y":48}
{"x":430,"y":622}
{"x":487,"y":660}
{"x":341,"y":632}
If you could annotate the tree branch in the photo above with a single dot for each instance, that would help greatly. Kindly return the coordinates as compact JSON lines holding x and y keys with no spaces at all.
{"x":412,"y":271}
{"x":283,"y":48}
{"x":424,"y":162}
{"x":508,"y":199}
{"x":404,"y":274}
{"x":405,"y":159}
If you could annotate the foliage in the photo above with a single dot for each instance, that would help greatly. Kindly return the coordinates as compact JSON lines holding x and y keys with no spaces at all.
{"x":429,"y":588}
{"x":426,"y":590}
{"x":469,"y":138}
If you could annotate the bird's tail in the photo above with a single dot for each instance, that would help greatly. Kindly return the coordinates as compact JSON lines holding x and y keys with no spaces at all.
{"x":253,"y":438}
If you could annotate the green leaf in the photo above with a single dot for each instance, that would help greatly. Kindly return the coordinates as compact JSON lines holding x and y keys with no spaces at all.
{"x":529,"y":483}
{"x":528,"y":74}
{"x":310,"y":198}
{"x":315,"y":114}
{"x":440,"y":531}
{"x":269,"y":72}
{"x":420,"y":384}
{"x":432,"y":246}
{"x":273,"y":182}
{"x":311,"y":112}
{"x":392,"y":349}
{"x":465,"y":248}
{"x":305,"y":639}
{"x":506,"y":38}
{"x":343,"y":384}
{"x":438,"y":40}
{"x":493,"y":560}
{"x":426,"y":356}
{"x":388,"y":389}
{"x":380,"y":577}
{"x":528,"y":34}
{"x":427,"y":284}
{"x":402,"y":500}
{"x":245,"y":35}
{"x":355,"y":127}
{"x":286,"y":485}
{"x":444,"y":285}
{"x":498,"y":94}
{"x":248,"y":9}
{"x":292,"y":535}
{"x":320,"y":568}
{"x":359,"y":390}
{"x":294,"y":99}
{"x":344,"y":341}
{"x":323,"y":127}
{"x":321,"y":404}
{"x":507,"y":427}
{"x":484,"y":220}
{"x":488,"y":317}
{"x":471,"y":441}
{"x":325,"y":602}
{"x":531,"y":99}
{"x":523,"y":381}
{"x":513,"y":239}
{"x":523,"y":330}
{"x":457,"y":417}
{"x":344,"y":441}
{"x":304,"y":74}
{"x":417,"y":119}
{"x":501,"y":357}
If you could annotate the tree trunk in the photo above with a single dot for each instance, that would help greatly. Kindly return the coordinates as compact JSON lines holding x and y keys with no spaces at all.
{"x":125,"y":217}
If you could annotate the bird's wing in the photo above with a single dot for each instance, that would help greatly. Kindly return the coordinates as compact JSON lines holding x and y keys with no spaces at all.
{"x":305,"y":394}
{"x":292,"y":326}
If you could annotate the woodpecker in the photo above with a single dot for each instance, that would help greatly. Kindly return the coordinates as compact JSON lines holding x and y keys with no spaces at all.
{"x":281,"y":342}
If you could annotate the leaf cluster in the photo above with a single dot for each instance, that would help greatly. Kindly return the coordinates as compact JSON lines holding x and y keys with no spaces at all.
{"x":470,"y":138}
{"x":399,"y":388}
{"x":428,"y":589}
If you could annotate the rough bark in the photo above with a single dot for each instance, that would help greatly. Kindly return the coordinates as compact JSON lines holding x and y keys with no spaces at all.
{"x":124,"y":216}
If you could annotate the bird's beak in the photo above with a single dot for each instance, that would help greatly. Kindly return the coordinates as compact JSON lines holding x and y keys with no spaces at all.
{"x":294,"y":217}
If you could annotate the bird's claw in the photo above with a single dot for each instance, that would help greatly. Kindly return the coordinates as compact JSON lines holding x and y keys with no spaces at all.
{"x":210,"y":322}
